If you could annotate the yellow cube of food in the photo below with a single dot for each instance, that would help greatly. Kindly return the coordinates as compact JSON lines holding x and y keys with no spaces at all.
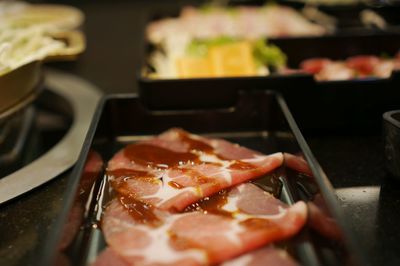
{"x":194,"y":67}
{"x":234,"y":59}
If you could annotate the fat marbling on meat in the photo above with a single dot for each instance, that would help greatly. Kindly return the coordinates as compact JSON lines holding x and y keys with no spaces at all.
{"x":214,"y":230}
{"x":177,"y":168}
{"x":182,"y":199}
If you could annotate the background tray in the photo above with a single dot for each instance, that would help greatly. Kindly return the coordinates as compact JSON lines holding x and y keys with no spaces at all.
{"x":355,"y":105}
{"x":342,"y":106}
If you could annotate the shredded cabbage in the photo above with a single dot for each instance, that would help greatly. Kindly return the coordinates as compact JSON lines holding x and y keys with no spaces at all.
{"x":22,"y":44}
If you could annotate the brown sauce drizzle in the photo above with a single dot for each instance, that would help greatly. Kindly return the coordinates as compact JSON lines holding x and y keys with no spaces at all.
{"x":195,"y":144}
{"x":154,"y":156}
{"x":175,"y":185}
{"x":157,"y":157}
{"x":212,"y":204}
{"x":204,"y":147}
{"x":239,"y":165}
{"x":259,"y":224}
{"x":140,"y":211}
{"x":128,"y":173}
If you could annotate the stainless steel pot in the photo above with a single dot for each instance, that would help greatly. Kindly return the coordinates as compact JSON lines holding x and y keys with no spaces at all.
{"x":20,"y":86}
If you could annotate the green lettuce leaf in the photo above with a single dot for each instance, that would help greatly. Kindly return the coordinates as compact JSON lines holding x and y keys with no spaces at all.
{"x":268,"y":54}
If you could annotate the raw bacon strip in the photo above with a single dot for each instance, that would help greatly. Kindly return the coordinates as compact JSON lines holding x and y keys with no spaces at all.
{"x":178,"y":168}
{"x":262,"y":257}
{"x":214,"y":230}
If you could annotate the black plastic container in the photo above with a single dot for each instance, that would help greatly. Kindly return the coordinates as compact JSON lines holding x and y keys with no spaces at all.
{"x":260,"y":120}
{"x":351,"y":105}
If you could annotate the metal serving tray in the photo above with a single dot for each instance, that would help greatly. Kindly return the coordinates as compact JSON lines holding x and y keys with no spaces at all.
{"x":314,"y":103}
{"x":260,"y":120}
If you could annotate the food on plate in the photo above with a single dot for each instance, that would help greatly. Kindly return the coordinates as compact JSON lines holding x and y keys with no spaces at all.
{"x":219,"y":57}
{"x":355,"y":67}
{"x":214,"y":230}
{"x":268,"y":255}
{"x":31,"y":33}
{"x":264,"y":256}
{"x":177,"y":168}
{"x":223,"y":42}
{"x":93,"y":168}
{"x":21,"y":46}
{"x":321,"y":220}
{"x":183,"y":199}
{"x":21,"y":14}
{"x":215,"y":42}
{"x":297,"y":163}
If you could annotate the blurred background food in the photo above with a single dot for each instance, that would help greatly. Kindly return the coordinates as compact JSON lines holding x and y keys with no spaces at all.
{"x":32,"y":33}
{"x":215,"y":41}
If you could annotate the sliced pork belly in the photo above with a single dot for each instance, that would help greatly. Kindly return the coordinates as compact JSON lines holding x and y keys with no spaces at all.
{"x":210,"y":231}
{"x":177,"y":168}
{"x":263,"y":257}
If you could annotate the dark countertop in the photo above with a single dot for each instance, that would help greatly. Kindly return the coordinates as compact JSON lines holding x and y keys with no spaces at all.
{"x":354,"y":164}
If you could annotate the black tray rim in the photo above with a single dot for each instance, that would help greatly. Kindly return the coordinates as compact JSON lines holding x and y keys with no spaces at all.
{"x":388,"y":116}
{"x":49,"y":249}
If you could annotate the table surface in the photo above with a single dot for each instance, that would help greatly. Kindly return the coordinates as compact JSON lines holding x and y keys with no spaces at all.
{"x":354,"y":164}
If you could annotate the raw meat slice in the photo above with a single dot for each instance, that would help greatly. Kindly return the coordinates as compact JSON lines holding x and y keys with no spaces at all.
{"x":321,"y":220}
{"x":246,"y":23}
{"x":108,"y":257}
{"x":297,"y":163}
{"x":314,"y":65}
{"x":336,"y":71}
{"x":264,"y":256}
{"x":363,"y":64}
{"x":93,"y":167}
{"x":177,"y":168}
{"x":354,"y":67}
{"x":211,"y":231}
{"x":142,"y":241}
